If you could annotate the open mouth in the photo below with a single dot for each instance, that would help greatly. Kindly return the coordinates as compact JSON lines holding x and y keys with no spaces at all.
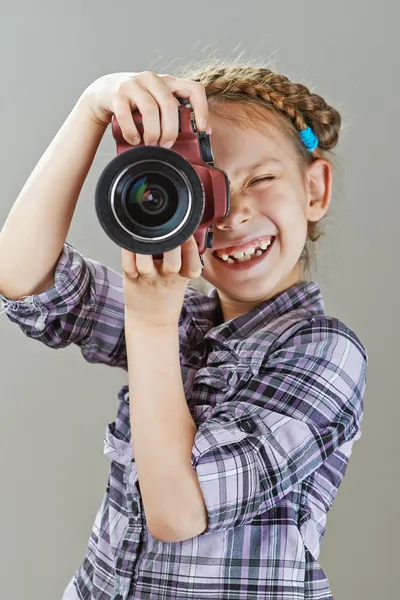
{"x":251,"y":255}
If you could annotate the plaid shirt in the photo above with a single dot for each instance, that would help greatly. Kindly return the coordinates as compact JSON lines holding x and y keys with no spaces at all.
{"x":277,"y":396}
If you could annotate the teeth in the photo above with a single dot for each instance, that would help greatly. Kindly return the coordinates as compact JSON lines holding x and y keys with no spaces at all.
{"x":246,"y":254}
{"x":247,"y":257}
{"x":265,"y":245}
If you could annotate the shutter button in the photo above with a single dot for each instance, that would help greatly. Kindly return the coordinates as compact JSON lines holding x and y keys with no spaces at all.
{"x":247,"y":425}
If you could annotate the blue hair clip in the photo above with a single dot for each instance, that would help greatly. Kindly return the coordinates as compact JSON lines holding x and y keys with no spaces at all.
{"x":309,"y":139}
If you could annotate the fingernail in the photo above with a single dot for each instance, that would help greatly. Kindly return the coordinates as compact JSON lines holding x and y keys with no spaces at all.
{"x":136,"y":141}
{"x":168,"y":144}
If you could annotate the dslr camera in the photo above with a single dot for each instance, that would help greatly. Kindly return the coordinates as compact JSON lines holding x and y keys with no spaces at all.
{"x":150,"y":200}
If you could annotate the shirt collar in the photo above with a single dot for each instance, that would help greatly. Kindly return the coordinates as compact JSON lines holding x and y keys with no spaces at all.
{"x":202,"y":309}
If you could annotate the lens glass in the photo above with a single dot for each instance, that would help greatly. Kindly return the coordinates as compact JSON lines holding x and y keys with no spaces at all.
{"x":150,"y":200}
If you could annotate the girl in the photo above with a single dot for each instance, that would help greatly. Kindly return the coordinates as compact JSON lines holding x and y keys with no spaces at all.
{"x":224,"y":465}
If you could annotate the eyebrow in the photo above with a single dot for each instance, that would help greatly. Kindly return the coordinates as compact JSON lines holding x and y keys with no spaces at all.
{"x":261,"y":163}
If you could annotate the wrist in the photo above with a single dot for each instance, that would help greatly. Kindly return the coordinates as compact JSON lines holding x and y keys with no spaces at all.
{"x":139,"y":324}
{"x":85,"y":106}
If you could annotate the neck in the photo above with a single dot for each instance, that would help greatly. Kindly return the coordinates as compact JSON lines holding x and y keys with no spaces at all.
{"x":232,"y":307}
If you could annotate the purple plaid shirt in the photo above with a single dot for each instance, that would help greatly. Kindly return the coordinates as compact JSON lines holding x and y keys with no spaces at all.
{"x":277,"y":396}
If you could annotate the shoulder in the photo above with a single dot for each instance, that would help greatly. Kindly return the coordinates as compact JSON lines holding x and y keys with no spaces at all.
{"x":312,"y":327}
{"x":321,"y":331}
{"x":324,"y":346}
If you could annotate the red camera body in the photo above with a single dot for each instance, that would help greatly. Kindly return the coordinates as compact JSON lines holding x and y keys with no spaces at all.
{"x":193,"y":193}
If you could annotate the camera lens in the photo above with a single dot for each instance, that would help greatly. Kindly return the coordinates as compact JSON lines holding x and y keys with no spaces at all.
{"x":150,"y":200}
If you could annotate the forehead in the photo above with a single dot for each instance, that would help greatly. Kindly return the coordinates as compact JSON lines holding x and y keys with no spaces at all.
{"x":242,"y":138}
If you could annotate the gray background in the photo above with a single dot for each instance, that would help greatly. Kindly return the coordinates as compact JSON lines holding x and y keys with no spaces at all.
{"x":54,"y":406}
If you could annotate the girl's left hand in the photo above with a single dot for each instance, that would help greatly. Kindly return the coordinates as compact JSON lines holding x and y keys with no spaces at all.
{"x":154,"y":290}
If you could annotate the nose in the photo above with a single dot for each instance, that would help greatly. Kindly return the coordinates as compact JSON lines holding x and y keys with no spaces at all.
{"x":238,"y":215}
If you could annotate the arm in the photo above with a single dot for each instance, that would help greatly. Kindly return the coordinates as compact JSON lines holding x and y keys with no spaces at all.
{"x":34,"y":233}
{"x":163,"y":433}
{"x":284,"y":425}
{"x":85,"y":306}
{"x":32,"y":238}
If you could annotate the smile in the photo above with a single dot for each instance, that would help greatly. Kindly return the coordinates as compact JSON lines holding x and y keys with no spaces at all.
{"x":247,"y":258}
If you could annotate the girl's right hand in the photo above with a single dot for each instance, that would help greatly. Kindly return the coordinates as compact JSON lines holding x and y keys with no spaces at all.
{"x":155,"y":96}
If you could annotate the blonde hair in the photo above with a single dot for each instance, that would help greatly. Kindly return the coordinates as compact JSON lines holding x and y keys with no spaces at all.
{"x":270,"y":95}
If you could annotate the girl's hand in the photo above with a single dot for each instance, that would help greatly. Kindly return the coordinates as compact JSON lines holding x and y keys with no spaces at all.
{"x":154,"y":96}
{"x":155,"y":289}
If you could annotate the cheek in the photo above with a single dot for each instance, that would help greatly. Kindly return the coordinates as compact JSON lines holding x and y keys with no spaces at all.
{"x":288,"y":212}
{"x":285,"y":208}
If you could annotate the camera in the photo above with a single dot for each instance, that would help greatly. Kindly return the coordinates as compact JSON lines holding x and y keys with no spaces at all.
{"x":150,"y":199}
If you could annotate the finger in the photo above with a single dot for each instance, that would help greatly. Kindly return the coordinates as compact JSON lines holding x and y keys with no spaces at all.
{"x":172,"y":261}
{"x":196,"y":94}
{"x":145,"y":266}
{"x":122,"y":108}
{"x":191,"y":264}
{"x":142,"y":99}
{"x":128,"y":260}
{"x":168,"y":106}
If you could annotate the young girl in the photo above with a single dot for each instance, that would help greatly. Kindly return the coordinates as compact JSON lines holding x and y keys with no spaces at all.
{"x":236,"y":429}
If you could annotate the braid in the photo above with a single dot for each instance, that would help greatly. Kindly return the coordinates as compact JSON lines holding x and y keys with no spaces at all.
{"x":262,"y":86}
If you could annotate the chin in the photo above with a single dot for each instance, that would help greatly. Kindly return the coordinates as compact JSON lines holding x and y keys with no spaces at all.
{"x":247,"y":288}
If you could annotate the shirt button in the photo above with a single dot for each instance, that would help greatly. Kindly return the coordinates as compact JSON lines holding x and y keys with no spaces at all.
{"x":119,"y":597}
{"x":247,"y":425}
{"x":135,"y":508}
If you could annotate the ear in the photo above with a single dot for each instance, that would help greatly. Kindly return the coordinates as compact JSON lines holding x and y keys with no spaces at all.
{"x":319,"y":188}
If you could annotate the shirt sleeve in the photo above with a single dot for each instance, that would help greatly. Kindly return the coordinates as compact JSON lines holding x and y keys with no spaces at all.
{"x":304,"y":404}
{"x":84,"y":307}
